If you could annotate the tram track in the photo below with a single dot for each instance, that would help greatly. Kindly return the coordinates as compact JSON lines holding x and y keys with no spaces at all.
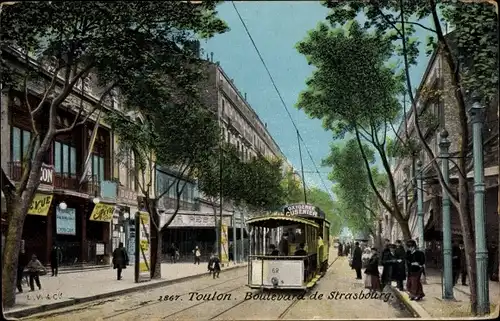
{"x":134,"y":308}
{"x":281,"y":316}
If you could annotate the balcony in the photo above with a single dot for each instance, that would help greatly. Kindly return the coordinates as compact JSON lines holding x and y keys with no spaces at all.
{"x":90,"y":186}
{"x":65,"y":181}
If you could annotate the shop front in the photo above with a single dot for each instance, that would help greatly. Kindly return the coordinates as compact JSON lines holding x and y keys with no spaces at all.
{"x":98,"y":230}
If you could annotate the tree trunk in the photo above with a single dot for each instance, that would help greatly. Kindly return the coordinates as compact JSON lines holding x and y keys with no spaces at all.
{"x":405,"y":229}
{"x":469,"y":240}
{"x":11,"y":252}
{"x":216,"y":226}
{"x":17,"y":211}
{"x":156,"y":240}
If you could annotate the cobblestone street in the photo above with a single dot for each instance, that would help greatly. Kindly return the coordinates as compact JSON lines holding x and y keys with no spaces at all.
{"x":224,"y":299}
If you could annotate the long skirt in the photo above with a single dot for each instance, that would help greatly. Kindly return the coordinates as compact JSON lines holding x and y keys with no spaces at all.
{"x":414,"y":286}
{"x":372,"y":282}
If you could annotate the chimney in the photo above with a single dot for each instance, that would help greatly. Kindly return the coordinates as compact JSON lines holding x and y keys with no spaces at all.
{"x":245,"y":96}
{"x":265,"y":125}
{"x":232,"y":80}
{"x":211,"y":57}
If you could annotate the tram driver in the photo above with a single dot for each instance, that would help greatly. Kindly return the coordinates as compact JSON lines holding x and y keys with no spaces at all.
{"x":273,"y":250}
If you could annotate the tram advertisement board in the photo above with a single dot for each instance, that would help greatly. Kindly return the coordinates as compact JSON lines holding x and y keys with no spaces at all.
{"x":302,"y":210}
{"x":143,"y":247}
{"x":224,"y":257}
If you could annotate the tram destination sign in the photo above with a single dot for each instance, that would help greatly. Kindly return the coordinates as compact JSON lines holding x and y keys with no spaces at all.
{"x":302,"y":210}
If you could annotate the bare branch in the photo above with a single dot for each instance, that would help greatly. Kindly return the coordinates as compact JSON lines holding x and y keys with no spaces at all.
{"x":26,"y":172}
{"x":52,"y":85}
{"x":420,"y":25}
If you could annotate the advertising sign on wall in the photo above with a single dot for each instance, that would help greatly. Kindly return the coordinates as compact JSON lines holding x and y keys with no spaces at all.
{"x":40,"y":204}
{"x":224,"y":245}
{"x":143,"y":247}
{"x":66,"y":221}
{"x":102,"y":212}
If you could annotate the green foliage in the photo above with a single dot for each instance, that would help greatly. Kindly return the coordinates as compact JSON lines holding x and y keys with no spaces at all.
{"x":476,"y":48}
{"x":356,"y":201}
{"x":292,"y":188}
{"x":322,"y":199}
{"x":255,"y":184}
{"x":351,"y":85}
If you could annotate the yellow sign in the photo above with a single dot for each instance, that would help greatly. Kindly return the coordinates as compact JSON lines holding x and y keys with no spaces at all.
{"x":40,"y":204}
{"x":144,"y":217}
{"x":224,"y":257}
{"x":102,"y":212}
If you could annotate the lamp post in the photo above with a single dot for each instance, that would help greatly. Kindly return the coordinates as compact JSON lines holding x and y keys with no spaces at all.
{"x":476,"y":113}
{"x":420,"y":206}
{"x":444,"y":145}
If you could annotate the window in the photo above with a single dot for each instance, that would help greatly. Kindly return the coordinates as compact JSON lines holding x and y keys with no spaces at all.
{"x":64,"y":159}
{"x":20,"y":142}
{"x":223,"y":107}
{"x":98,"y":167}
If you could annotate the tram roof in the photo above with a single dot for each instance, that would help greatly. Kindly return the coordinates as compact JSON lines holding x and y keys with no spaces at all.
{"x":278,"y":219}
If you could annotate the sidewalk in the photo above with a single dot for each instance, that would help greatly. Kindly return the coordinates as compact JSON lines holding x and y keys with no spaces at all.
{"x":79,"y":287}
{"x":433,"y":306}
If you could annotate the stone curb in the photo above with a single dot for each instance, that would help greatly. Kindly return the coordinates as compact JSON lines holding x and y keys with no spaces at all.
{"x":412,"y":306}
{"x":63,"y":304}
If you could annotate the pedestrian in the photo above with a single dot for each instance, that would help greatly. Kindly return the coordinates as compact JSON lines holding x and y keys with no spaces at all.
{"x":214,"y":265}
{"x":120,"y":260}
{"x":372,"y":278}
{"x":173,"y":253}
{"x":55,"y":259}
{"x":197,"y":255}
{"x":388,"y":262}
{"x":283,"y":244}
{"x":340,"y":250}
{"x":455,"y":262}
{"x":21,"y":263}
{"x":415,"y":260}
{"x":399,"y":274}
{"x":35,"y":268}
{"x":231,"y":252}
{"x":463,"y":263}
{"x":357,"y":261}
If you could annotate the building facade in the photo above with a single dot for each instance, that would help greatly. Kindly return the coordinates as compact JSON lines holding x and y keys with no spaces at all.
{"x":195,"y":222}
{"x":438,"y":112}
{"x":79,"y":171}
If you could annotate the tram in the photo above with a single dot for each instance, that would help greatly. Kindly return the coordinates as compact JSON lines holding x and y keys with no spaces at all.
{"x":289,"y":248}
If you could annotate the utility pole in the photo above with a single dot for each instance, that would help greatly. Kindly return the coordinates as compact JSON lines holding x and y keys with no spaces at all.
{"x":477,"y":118}
{"x":302,"y":168}
{"x":420,"y":206}
{"x":242,"y":234}
{"x":235,"y":239}
{"x":444,"y":145}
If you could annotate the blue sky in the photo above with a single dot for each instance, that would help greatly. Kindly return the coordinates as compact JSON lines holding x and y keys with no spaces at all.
{"x":276,"y":27}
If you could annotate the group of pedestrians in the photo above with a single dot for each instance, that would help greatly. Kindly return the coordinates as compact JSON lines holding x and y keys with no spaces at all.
{"x":344,"y":249}
{"x":399,"y":264}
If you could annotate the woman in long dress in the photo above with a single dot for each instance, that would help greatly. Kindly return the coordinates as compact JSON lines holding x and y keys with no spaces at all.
{"x":415,"y":260}
{"x":372,"y":278}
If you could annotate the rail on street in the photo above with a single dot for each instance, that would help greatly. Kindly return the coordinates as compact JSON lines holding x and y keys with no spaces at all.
{"x":337,"y":295}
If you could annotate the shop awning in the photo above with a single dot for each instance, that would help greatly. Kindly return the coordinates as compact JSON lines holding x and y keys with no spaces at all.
{"x":275,"y":220}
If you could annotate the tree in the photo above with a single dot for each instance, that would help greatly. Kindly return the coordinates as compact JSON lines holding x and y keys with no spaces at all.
{"x":178,"y":137}
{"x":292,"y":187}
{"x":356,"y":199}
{"x":322,"y":199}
{"x":74,"y":42}
{"x":470,"y":63}
{"x":354,"y":91}
{"x":219,"y":179}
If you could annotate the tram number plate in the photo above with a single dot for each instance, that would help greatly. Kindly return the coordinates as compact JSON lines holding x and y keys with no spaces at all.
{"x":275,"y":270}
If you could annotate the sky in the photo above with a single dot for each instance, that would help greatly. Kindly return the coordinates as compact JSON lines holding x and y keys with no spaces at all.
{"x":276,"y":27}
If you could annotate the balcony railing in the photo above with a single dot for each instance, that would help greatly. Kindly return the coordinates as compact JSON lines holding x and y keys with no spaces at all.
{"x":71,"y":182}
{"x":171,"y":203}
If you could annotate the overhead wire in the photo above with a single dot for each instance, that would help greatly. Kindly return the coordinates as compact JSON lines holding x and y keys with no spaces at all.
{"x":328,"y":190}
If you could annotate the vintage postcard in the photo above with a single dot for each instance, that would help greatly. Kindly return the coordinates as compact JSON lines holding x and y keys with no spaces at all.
{"x":250,"y":160}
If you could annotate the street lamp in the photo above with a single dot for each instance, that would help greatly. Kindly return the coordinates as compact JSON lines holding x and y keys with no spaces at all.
{"x":476,"y":113}
{"x":96,"y":200}
{"x":444,"y":145}
{"x":420,"y":206}
{"x":63,"y":206}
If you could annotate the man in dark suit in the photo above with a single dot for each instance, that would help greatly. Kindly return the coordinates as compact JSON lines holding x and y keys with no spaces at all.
{"x":357,"y":262}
